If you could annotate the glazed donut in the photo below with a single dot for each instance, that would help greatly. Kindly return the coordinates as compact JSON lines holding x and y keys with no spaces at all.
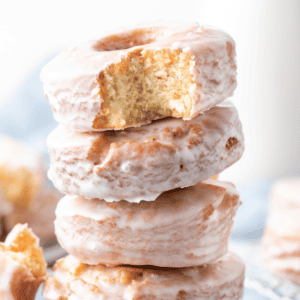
{"x":140,"y":163}
{"x":74,"y":280}
{"x":22,"y":266}
{"x":134,"y":76}
{"x":181,"y":228}
{"x":281,"y":240}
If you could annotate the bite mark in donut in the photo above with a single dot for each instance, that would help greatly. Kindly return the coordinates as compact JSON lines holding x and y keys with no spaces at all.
{"x":145,"y":85}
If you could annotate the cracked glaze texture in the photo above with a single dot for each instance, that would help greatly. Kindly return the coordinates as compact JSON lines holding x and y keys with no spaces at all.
{"x":141,"y":163}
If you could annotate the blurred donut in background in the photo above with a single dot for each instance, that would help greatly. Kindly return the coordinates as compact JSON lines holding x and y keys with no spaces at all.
{"x":281,"y":240}
{"x":26,"y":195}
{"x":22,"y":172}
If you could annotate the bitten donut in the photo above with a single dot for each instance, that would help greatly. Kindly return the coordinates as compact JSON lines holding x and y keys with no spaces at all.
{"x":281,"y":240}
{"x":74,"y":280}
{"x":140,"y":163}
{"x":22,"y":266}
{"x":181,"y":228}
{"x":134,"y":76}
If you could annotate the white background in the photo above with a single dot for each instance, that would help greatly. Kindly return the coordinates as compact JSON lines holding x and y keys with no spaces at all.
{"x":267,"y":34}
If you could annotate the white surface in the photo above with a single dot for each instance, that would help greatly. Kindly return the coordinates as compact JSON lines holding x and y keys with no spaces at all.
{"x":267,"y":34}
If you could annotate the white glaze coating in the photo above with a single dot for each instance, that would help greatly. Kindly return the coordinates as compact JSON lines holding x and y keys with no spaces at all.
{"x":140,"y":163}
{"x":181,"y":228}
{"x":220,"y":280}
{"x":70,"y":79}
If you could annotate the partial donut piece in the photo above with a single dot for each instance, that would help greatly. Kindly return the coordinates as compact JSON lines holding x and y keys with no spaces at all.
{"x":134,"y":76}
{"x":140,"y":163}
{"x":181,"y":228}
{"x":281,"y":240}
{"x":73,"y":280}
{"x":22,"y":266}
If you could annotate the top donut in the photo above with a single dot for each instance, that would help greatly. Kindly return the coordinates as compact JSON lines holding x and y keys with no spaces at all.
{"x":134,"y":76}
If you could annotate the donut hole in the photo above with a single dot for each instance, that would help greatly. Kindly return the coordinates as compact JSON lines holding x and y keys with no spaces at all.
{"x":126,"y":40}
{"x":145,"y":85}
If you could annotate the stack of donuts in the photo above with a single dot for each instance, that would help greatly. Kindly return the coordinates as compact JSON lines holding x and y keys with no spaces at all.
{"x":145,"y":127}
